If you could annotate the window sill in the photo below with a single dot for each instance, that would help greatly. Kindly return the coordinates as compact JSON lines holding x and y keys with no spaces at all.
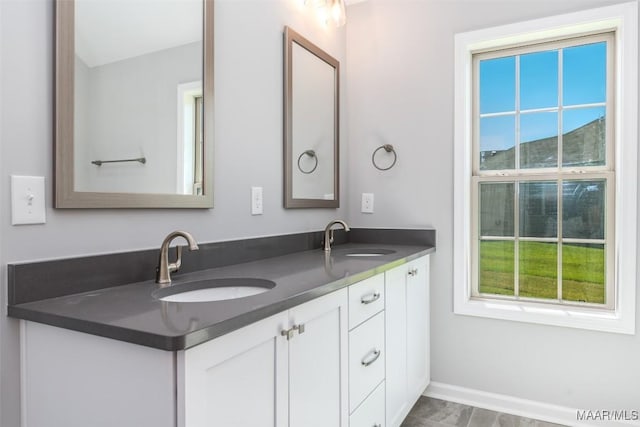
{"x":530,"y":312}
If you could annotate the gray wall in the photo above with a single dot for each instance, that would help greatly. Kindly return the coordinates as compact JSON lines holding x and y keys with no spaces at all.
{"x":132,"y":111}
{"x":248,"y":138}
{"x":400,"y":88}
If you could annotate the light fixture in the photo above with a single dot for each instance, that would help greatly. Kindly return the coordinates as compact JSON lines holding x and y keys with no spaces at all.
{"x":337,"y":12}
{"x":329,"y":11}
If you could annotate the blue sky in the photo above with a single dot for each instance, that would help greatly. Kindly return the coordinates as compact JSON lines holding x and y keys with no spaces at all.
{"x":583,"y":82}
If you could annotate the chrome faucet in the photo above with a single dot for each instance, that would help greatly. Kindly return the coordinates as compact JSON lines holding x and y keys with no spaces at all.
{"x":328,"y":233}
{"x":164,"y":270}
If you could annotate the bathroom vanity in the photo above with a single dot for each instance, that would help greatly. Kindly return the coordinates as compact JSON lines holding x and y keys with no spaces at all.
{"x":341,"y":340}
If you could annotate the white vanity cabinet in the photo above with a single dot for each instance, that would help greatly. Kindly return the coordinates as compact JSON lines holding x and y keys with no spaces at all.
{"x":252,"y":377}
{"x":407,"y":335}
{"x":258,"y":377}
{"x":357,"y":357}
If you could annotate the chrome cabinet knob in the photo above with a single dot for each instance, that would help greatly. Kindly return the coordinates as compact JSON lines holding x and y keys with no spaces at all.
{"x":289,"y":333}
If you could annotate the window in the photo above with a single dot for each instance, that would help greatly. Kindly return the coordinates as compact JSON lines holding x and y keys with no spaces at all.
{"x":190,"y":146}
{"x":545,"y":119}
{"x":541,"y":120}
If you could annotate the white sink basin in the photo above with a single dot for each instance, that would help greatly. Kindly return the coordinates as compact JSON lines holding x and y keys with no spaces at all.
{"x":365,"y":252}
{"x":214,"y":290}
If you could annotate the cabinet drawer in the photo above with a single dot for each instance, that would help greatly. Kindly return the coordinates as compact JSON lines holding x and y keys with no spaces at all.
{"x":366,"y":359}
{"x":371,"y":412}
{"x":366,"y":298}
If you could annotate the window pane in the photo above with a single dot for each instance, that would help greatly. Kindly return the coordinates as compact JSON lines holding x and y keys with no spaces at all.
{"x":539,"y":140}
{"x":583,"y":273}
{"x":583,"y":140}
{"x":496,"y":209}
{"x":496,"y":267}
{"x":538,"y":276}
{"x":497,"y":142}
{"x":539,"y":80}
{"x":584,"y":74}
{"x":538,"y":209}
{"x":498,"y":85}
{"x":583,"y":209}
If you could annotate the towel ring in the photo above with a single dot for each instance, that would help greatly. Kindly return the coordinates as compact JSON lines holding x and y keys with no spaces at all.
{"x":389,"y":149}
{"x":309,"y":153}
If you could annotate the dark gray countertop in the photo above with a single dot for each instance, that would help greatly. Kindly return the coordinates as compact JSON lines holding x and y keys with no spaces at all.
{"x":130,"y":312}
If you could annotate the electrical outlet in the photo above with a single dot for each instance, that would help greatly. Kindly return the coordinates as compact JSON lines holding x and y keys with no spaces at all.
{"x":367,"y":203}
{"x":256,"y":200}
{"x":27,"y":200}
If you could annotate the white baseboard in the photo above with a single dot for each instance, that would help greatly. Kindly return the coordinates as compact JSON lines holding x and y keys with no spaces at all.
{"x":517,"y":406}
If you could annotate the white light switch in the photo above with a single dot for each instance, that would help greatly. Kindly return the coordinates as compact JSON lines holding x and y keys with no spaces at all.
{"x":256,"y":200}
{"x":367,"y":203}
{"x":27,"y":200}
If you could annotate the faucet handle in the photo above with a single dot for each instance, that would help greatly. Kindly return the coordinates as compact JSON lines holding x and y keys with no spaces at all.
{"x":328,"y":239}
{"x":175,"y":266}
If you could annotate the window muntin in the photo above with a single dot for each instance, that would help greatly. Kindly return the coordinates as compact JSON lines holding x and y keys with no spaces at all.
{"x":543,"y":175}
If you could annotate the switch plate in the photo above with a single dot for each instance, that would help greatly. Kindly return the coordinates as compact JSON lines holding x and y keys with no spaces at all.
{"x":256,"y":200}
{"x":27,"y":200}
{"x":367,"y":203}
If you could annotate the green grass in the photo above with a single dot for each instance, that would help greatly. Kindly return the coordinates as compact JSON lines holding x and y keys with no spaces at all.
{"x":582,"y":270}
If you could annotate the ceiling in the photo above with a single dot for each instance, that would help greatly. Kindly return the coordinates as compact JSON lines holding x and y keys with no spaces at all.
{"x":113,"y":30}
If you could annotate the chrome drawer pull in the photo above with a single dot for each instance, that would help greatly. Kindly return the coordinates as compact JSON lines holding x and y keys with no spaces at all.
{"x":375,"y":354}
{"x":368,"y":299}
{"x":377,"y":425}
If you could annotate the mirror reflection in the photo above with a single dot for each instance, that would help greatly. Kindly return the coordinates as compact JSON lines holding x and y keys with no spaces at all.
{"x":311,"y":135}
{"x":313,"y":116}
{"x":138,"y":96}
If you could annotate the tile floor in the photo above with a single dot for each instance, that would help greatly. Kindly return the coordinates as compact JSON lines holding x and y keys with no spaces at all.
{"x":428,"y":412}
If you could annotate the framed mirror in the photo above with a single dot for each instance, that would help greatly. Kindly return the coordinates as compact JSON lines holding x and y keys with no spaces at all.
{"x":311,"y":125}
{"x":134,"y":104}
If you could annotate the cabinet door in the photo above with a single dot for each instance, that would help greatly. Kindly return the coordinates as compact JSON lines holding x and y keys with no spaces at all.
{"x":237,"y":380}
{"x":318,"y":363}
{"x":418,"y":327}
{"x":396,"y":345}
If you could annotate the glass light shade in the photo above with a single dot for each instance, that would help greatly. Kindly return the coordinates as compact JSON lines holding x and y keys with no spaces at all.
{"x":338,"y":13}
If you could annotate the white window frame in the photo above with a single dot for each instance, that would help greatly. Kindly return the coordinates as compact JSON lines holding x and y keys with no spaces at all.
{"x":621,"y":19}
{"x":186,"y":134}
